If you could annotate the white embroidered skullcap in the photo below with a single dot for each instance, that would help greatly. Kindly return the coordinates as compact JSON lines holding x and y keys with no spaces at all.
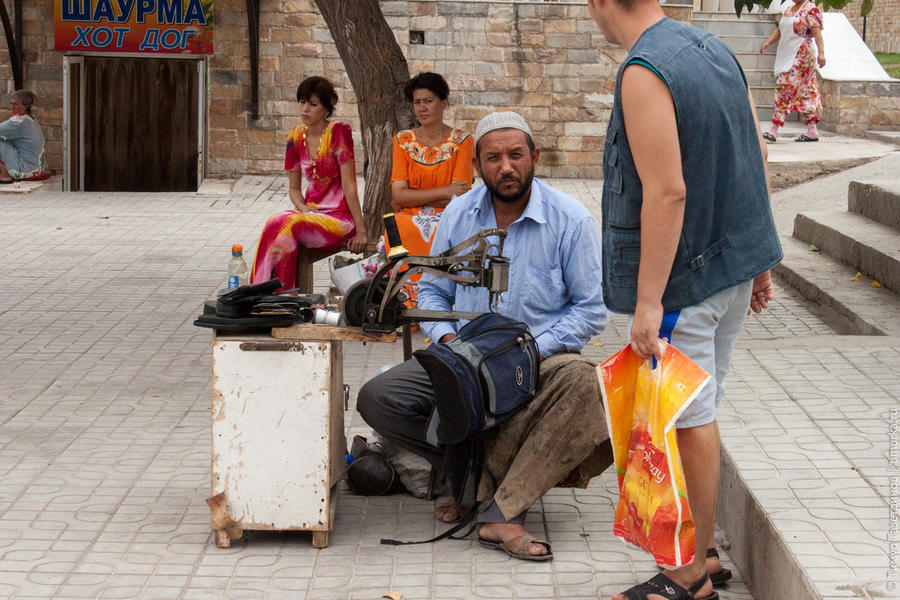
{"x":501,"y":120}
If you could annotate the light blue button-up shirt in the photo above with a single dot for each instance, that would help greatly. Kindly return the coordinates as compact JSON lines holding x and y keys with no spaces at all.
{"x":555,"y":268}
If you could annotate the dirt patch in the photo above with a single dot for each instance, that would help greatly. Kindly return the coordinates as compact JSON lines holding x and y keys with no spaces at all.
{"x":789,"y":174}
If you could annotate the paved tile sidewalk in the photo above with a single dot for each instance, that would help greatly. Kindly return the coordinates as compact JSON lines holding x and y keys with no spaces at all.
{"x":104,"y":427}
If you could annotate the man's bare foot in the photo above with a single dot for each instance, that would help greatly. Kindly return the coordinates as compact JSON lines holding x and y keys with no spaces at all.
{"x":505,"y":532}
{"x":451,"y":512}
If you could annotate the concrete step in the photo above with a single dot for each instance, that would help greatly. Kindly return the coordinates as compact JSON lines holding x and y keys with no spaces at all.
{"x":748,"y":44}
{"x":752,"y":59}
{"x":760,"y":78}
{"x":891,"y":137}
{"x":723,"y":26}
{"x":860,"y":243}
{"x":763,"y":112}
{"x":860,"y":308}
{"x":877,"y":201}
{"x":703,"y":15}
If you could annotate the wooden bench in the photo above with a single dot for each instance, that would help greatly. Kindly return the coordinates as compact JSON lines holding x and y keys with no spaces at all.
{"x":306,"y":257}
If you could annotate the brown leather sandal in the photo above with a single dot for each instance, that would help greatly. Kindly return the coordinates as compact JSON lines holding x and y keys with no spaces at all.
{"x":517,"y":547}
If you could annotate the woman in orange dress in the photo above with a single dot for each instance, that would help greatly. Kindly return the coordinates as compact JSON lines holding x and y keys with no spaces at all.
{"x":432,"y":164}
{"x":328,"y":216}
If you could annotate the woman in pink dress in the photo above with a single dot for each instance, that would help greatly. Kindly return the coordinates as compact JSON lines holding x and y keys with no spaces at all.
{"x":328,"y":216}
{"x":800,"y":48}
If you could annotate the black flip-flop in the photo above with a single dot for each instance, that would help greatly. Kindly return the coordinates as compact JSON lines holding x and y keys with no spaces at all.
{"x":768,"y":136}
{"x":719,"y":578}
{"x":668,"y":589}
{"x":2,"y":182}
{"x":805,"y":138}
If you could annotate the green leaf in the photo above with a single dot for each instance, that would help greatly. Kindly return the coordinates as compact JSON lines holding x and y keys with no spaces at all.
{"x":814,"y":248}
{"x":866,"y":7}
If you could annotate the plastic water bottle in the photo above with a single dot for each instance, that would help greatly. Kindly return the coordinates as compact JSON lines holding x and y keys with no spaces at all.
{"x":238,"y":274}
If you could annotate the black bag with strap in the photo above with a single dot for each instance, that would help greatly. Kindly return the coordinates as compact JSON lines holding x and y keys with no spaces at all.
{"x":481,"y":378}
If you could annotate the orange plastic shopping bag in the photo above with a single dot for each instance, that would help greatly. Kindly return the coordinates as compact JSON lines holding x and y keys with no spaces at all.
{"x":642,"y":404}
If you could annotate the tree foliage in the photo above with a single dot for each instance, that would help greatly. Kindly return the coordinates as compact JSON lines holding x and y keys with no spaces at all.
{"x":865,"y":8}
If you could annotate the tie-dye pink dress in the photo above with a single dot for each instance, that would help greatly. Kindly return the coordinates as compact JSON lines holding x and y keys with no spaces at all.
{"x":330,"y":222}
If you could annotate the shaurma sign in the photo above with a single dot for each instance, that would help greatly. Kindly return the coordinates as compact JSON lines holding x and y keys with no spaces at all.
{"x":143,"y":26}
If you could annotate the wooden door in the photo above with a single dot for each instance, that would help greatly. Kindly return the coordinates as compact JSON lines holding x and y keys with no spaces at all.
{"x":140,"y":124}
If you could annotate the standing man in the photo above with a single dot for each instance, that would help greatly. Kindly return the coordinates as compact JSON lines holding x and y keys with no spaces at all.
{"x":688,"y":234}
{"x":554,"y":287}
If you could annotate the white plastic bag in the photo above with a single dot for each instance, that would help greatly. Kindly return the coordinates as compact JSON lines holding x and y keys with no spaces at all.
{"x":344,"y":277}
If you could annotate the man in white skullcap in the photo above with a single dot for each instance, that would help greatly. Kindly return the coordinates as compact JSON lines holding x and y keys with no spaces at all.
{"x":554,"y":287}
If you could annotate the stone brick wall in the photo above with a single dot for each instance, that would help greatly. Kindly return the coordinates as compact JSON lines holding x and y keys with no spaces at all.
{"x":547,"y":61}
{"x":544,"y":59}
{"x":854,"y":107}
{"x":43,"y":74}
{"x":882,"y":24}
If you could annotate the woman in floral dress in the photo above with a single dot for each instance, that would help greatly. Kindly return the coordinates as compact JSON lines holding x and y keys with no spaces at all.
{"x":800,"y":48}
{"x":432,"y":164}
{"x":328,"y":216}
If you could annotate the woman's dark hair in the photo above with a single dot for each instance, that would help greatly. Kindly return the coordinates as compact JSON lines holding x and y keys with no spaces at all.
{"x":427,"y":81}
{"x":322,"y":89}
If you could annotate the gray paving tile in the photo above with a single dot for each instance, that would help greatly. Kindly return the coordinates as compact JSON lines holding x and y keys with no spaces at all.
{"x":104,"y":443}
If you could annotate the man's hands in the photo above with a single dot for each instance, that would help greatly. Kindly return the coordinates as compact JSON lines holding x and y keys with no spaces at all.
{"x":645,"y":330}
{"x":446,"y":338}
{"x":762,"y":292}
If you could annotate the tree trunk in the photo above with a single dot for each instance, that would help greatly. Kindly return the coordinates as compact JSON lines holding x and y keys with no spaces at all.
{"x":14,"y":42}
{"x":378,"y":72}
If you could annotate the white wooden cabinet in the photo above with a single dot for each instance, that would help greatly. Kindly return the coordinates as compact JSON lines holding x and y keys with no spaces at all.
{"x":278,"y":440}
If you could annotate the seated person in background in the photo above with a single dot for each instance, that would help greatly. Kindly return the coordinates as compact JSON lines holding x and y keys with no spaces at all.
{"x":432,"y":164}
{"x":328,"y":217}
{"x":21,"y":141}
{"x":554,"y":286}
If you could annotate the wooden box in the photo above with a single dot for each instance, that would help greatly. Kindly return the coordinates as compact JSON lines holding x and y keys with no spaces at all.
{"x":278,"y":440}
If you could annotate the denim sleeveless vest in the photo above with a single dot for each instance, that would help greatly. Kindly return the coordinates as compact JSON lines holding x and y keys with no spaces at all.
{"x":728,"y":235}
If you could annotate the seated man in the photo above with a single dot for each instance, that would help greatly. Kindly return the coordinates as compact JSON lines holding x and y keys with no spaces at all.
{"x":555,"y":287}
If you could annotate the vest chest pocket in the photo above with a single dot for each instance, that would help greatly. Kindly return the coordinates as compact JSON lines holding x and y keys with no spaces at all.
{"x":625,"y":256}
{"x":612,"y":166}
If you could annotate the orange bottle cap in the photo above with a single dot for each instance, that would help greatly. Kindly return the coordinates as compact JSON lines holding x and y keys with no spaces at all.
{"x":237,"y":248}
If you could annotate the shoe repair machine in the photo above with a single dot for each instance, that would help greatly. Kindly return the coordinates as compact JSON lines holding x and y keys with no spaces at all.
{"x":378,"y":304}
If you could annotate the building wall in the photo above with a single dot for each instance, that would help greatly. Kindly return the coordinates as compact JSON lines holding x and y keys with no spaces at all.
{"x":882,"y":24}
{"x":43,"y":74}
{"x":854,"y":107}
{"x":546,"y":60}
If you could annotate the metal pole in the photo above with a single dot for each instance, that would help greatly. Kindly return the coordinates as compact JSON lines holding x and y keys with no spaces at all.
{"x":20,"y":49}
{"x":12,"y":47}
{"x":253,"y":26}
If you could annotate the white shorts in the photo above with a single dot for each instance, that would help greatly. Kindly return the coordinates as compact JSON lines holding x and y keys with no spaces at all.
{"x":706,"y":333}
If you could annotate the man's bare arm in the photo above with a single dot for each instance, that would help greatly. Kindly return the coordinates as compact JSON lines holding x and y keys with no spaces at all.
{"x":652,"y":131}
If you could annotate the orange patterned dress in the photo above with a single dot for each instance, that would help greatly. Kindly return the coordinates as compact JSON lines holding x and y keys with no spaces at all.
{"x":426,"y":168}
